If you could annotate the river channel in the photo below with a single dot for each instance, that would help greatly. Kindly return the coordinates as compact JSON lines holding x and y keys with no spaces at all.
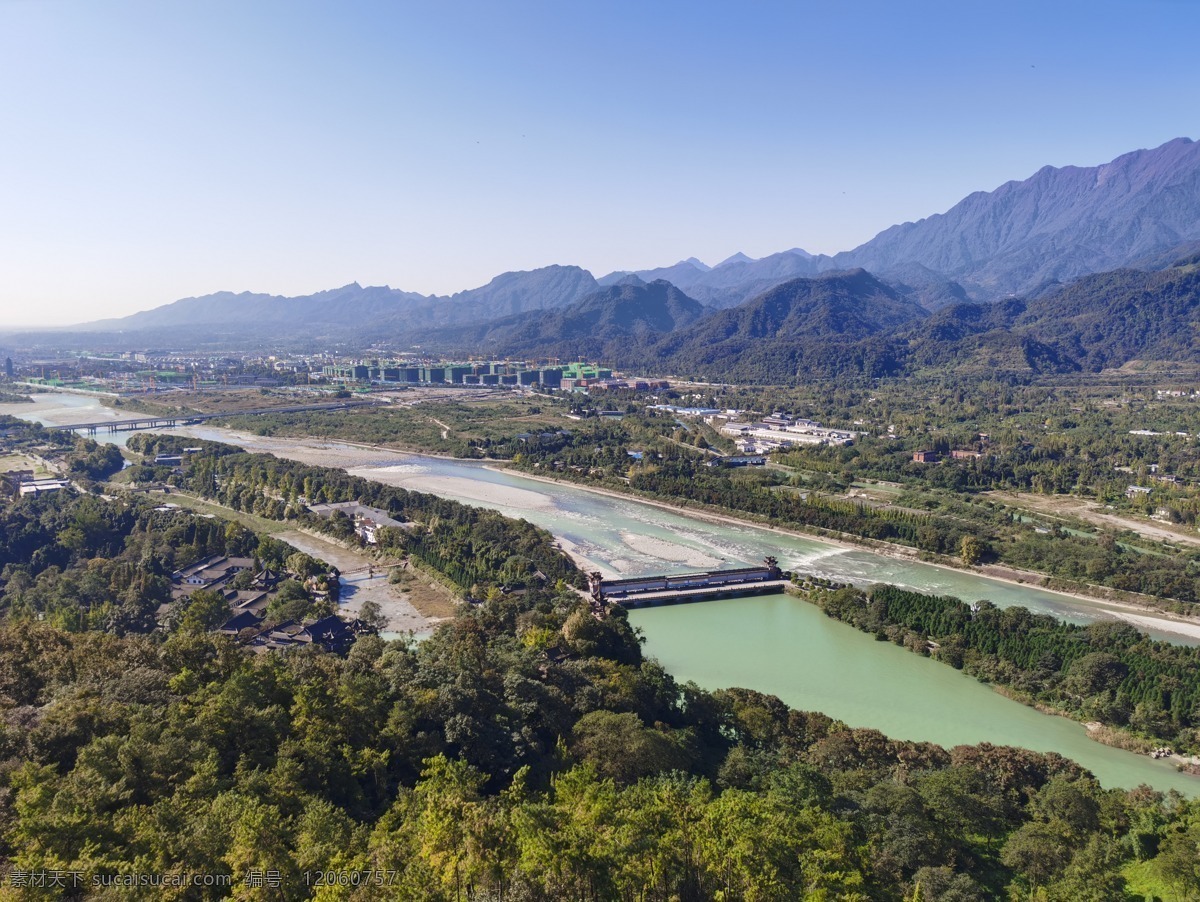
{"x":775,"y":644}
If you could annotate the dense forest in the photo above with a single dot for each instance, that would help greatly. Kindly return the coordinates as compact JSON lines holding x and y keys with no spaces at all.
{"x":1106,"y":671}
{"x":526,"y":751}
{"x":850,"y":325}
{"x":81,"y":562}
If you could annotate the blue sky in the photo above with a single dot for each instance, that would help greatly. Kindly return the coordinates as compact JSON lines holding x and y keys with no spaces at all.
{"x":152,"y":151}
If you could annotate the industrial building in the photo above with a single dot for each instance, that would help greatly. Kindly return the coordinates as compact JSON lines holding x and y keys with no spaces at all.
{"x":780,"y":431}
{"x":486,"y":373}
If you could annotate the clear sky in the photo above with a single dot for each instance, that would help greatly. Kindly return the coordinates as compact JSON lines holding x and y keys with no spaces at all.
{"x":151,"y":150}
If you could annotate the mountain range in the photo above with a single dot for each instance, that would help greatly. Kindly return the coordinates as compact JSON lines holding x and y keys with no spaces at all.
{"x":887,"y":305}
{"x":510,"y":292}
{"x":1055,"y":226}
{"x":854,"y":324}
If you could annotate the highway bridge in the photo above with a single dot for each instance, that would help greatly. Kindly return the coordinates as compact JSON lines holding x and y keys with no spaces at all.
{"x":166,"y":421}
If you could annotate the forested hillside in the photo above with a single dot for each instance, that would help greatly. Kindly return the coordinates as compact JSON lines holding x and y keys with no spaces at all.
{"x":842,"y":326}
{"x":616,"y":322}
{"x":1108,"y":319}
{"x":524,"y":751}
{"x":855,"y":325}
{"x":827,"y":325}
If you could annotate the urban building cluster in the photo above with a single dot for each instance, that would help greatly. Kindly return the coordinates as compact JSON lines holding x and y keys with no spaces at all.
{"x":140,"y":373}
{"x":133,"y":373}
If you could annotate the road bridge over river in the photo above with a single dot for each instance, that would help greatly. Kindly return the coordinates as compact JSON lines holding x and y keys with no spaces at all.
{"x":171,"y":421}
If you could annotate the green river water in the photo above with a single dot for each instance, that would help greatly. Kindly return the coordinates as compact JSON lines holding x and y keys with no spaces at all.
{"x":775,"y":644}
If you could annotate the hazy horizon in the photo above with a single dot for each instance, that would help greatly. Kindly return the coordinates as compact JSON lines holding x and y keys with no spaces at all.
{"x":169,"y":152}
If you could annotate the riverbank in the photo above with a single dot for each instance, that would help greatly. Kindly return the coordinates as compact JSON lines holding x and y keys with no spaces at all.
{"x":365,"y":579}
{"x":34,"y":388}
{"x":576,"y":554}
{"x":1106,"y":734}
{"x":46,"y":408}
{"x":1141,"y":616}
{"x":407,"y":477}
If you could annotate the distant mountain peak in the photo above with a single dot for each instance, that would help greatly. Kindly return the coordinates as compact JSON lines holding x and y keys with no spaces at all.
{"x":799,"y":252}
{"x":739,"y":257}
{"x":699,"y":264}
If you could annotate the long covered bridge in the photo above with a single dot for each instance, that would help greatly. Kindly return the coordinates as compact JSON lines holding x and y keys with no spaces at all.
{"x":164,"y":421}
{"x":649,"y":591}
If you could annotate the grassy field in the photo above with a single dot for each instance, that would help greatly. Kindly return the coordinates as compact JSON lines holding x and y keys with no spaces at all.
{"x":439,"y":426}
{"x":250,"y":521}
{"x":428,"y":596}
{"x":884,"y":490}
{"x":230,"y":400}
{"x":1074,"y":508}
{"x":10,"y":462}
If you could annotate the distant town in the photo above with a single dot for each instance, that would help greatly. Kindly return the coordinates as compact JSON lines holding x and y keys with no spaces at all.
{"x":148,"y":372}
